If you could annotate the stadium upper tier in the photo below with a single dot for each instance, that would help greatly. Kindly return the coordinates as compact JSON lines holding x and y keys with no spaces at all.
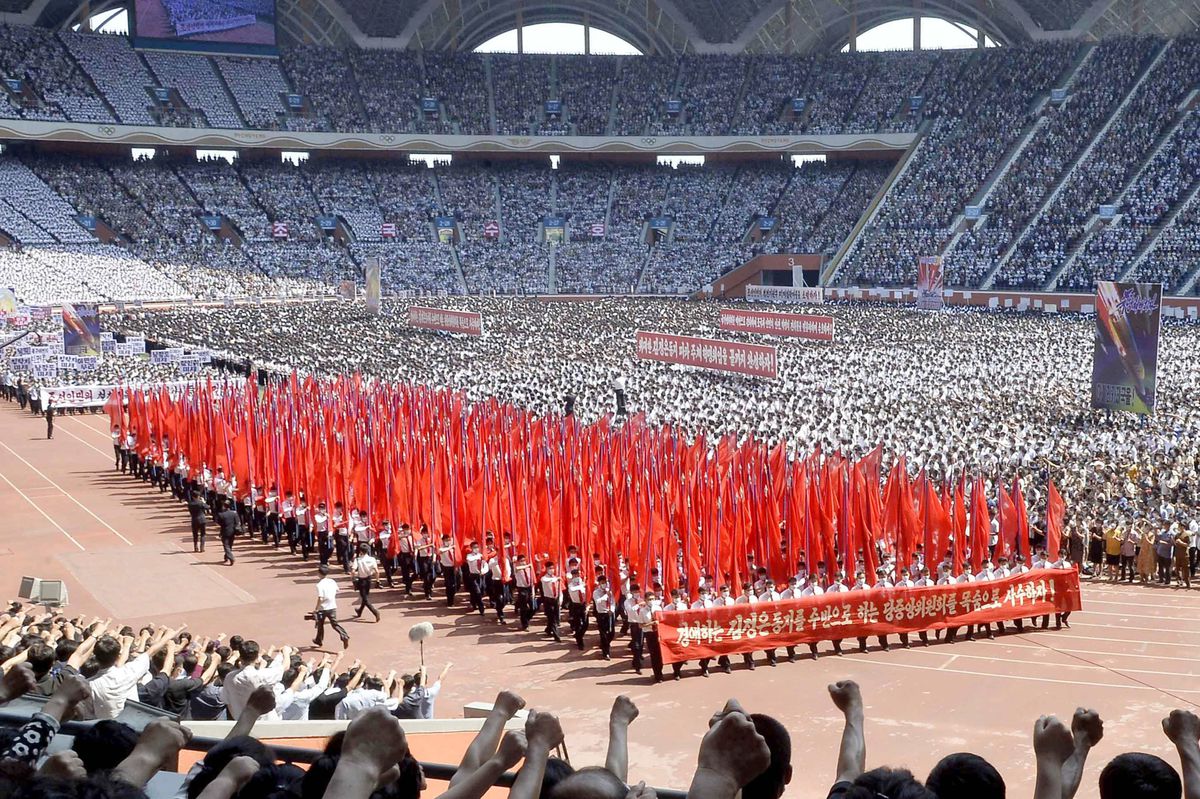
{"x":1043,"y":166}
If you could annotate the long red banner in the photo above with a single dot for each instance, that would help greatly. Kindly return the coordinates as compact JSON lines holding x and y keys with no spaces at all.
{"x":771,"y":323}
{"x":734,"y":629}
{"x":450,"y":321}
{"x":758,"y":360}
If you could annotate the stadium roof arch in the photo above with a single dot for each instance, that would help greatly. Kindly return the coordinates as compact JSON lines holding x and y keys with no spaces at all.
{"x":683,"y":26}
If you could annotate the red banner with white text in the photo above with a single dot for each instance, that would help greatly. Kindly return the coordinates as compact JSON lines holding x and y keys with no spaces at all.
{"x":450,"y":321}
{"x":734,"y":629}
{"x":757,"y":360}
{"x":770,"y":323}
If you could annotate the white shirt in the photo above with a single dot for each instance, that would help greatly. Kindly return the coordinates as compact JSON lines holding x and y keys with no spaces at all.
{"x":114,"y":686}
{"x":812,"y":590}
{"x":293,"y":705}
{"x":240,"y":684}
{"x":360,"y":700}
{"x":551,"y":586}
{"x":327,"y":593}
{"x":602,"y":598}
{"x":364,"y":566}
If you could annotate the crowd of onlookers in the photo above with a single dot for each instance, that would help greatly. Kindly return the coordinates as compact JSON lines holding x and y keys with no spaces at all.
{"x":742,"y":753}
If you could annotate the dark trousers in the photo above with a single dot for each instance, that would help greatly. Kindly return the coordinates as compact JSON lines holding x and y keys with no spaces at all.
{"x":198,"y":534}
{"x":289,"y":529}
{"x":324,"y":548}
{"x":637,"y":645}
{"x":341,"y":545}
{"x":450,"y":579}
{"x":551,"y":608}
{"x":304,"y":538}
{"x":116,"y":456}
{"x":1164,"y":569}
{"x":273,"y":529}
{"x":650,"y":641}
{"x":604,"y":624}
{"x":425,"y":570}
{"x":498,"y":591}
{"x":408,"y":571}
{"x":1127,"y":571}
{"x":227,"y":545}
{"x":363,"y":585}
{"x":475,"y":591}
{"x":330,"y":616}
{"x":577,"y":614}
{"x":524,"y":605}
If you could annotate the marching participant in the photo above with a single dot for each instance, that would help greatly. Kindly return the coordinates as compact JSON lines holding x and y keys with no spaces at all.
{"x":577,"y":602}
{"x":448,"y":563}
{"x":523,"y":583}
{"x":603,"y":603}
{"x":551,"y":586}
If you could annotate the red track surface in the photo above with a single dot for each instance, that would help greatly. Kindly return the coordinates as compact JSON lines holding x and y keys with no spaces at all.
{"x":126,"y":552}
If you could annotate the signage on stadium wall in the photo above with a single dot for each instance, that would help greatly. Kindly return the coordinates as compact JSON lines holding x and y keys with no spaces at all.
{"x":660,"y":223}
{"x":733,"y":629}
{"x":806,"y":295}
{"x":163,"y":95}
{"x":211,"y":221}
{"x":327,"y":222}
{"x":930,"y":282}
{"x":1125,"y":357}
{"x":465,"y":322}
{"x":799,"y":104}
{"x":295,"y":101}
{"x":770,"y":323}
{"x":915,"y":102}
{"x":766,"y":223}
{"x":279,"y":230}
{"x":14,"y":85}
{"x":973,"y":212}
{"x":87,"y":221}
{"x":674,"y":106}
{"x":554,"y":107}
{"x":1058,"y":95}
{"x":1107,"y":211}
{"x":756,"y":360}
{"x":429,"y":105}
{"x":387,"y":230}
{"x":491,"y":229}
{"x":597,"y":230}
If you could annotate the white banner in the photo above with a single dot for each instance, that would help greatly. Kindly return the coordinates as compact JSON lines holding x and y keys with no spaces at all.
{"x":45,"y":371}
{"x":168,"y":355}
{"x":88,"y":396}
{"x":798,"y":294}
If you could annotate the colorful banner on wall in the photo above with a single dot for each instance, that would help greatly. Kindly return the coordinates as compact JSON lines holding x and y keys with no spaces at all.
{"x":930,"y":282}
{"x":445,"y":228}
{"x":770,"y":323}
{"x":374,"y":289}
{"x":804,"y":295}
{"x":81,"y":330}
{"x":757,"y":360}
{"x":465,"y":322}
{"x":734,"y":629}
{"x":1125,"y":358}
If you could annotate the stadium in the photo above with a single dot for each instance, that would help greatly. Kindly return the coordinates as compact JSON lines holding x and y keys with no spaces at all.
{"x":583,"y":400}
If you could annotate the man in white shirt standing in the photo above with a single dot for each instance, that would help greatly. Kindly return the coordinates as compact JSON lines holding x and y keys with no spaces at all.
{"x":326,"y":609}
{"x":240,"y":684}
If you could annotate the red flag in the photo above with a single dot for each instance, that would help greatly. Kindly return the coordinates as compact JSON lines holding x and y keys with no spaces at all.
{"x":1055,"y":509}
{"x":1021,"y":551}
{"x":1007,"y":512}
{"x":981,"y":526}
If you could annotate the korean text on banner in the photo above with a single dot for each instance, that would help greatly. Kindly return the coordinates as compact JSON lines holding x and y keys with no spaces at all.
{"x":450,"y":321}
{"x":735,"y":629}
{"x":769,"y":323}
{"x":757,"y":360}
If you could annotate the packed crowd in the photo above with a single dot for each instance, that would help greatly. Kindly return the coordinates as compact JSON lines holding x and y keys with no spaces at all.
{"x":1058,"y":138}
{"x":1109,"y":164}
{"x":741,"y":754}
{"x":1025,"y":413}
{"x":195,"y":677}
